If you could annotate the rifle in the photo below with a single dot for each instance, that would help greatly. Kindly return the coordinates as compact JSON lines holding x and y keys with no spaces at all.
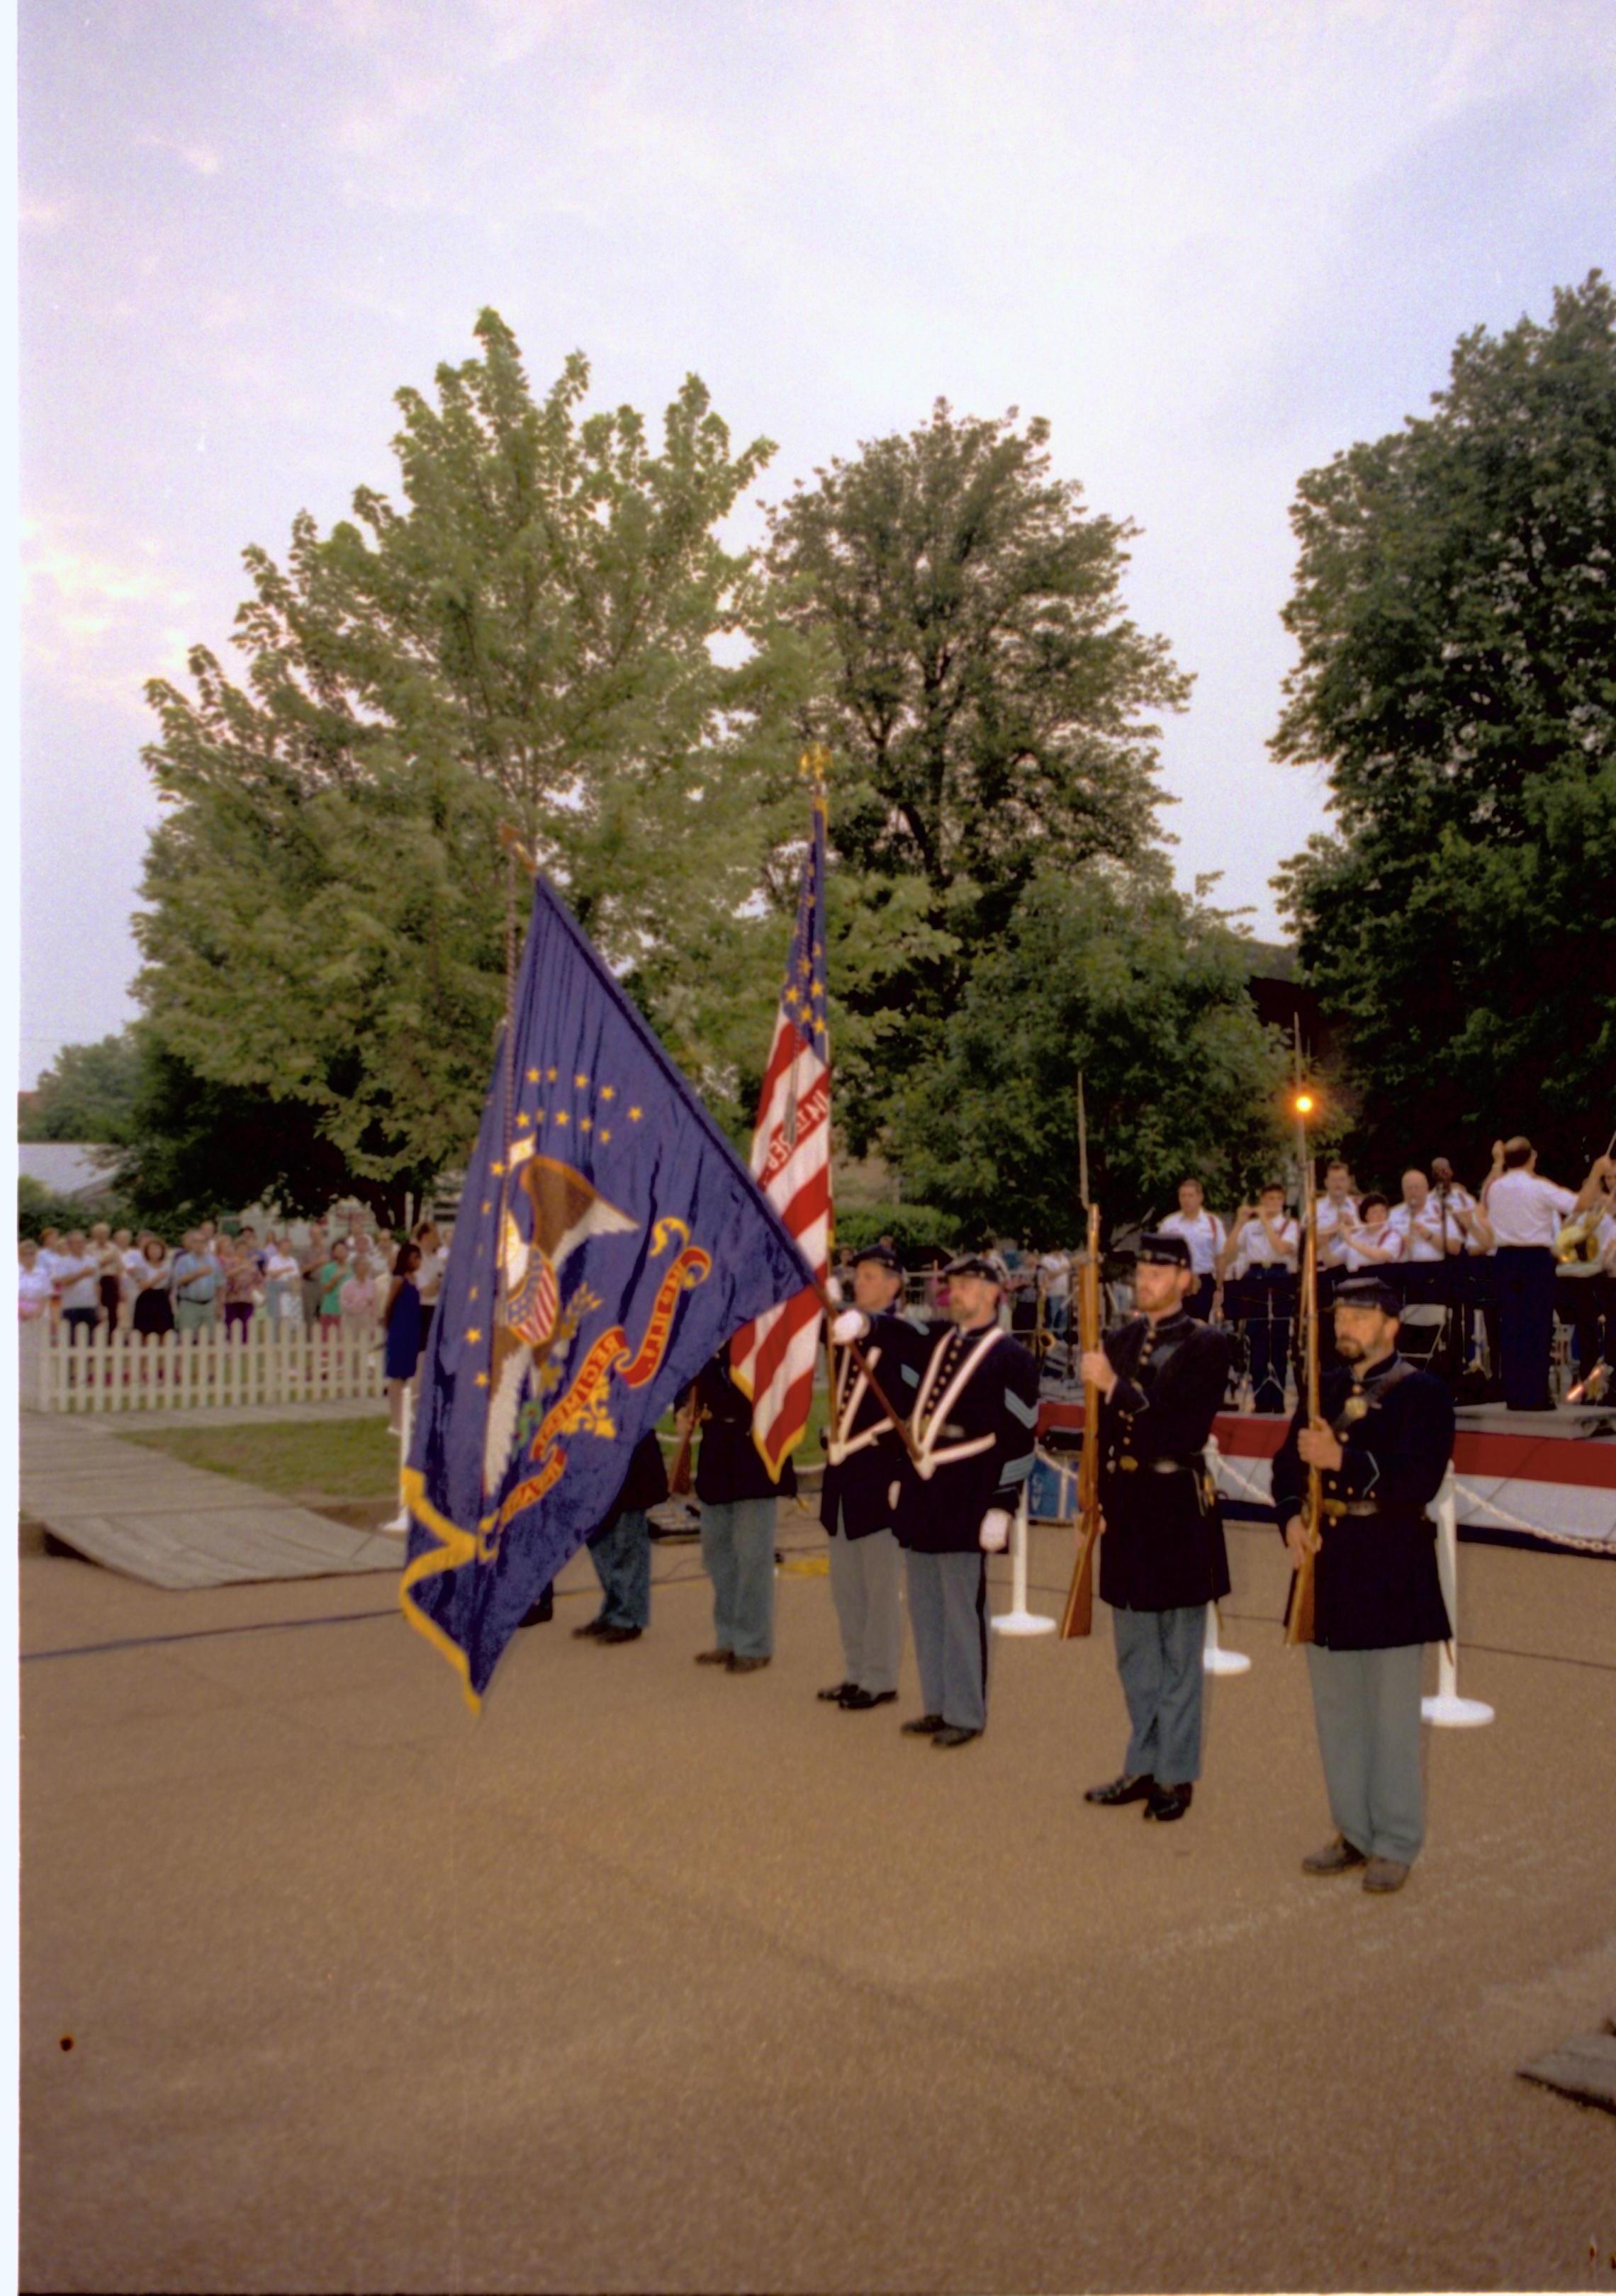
{"x":1299,"y":1623}
{"x":678,"y":1474}
{"x":1077,"y":1619}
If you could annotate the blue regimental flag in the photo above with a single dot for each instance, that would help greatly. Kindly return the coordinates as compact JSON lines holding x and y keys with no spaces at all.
{"x":609,"y":1242}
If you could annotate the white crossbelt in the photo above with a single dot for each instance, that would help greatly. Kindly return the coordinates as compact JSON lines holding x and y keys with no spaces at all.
{"x":928,"y":1457}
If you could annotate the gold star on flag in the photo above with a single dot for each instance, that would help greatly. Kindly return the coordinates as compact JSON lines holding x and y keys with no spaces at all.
{"x":580,"y":1081}
{"x":604,"y":1136}
{"x":524,"y":1119}
{"x":550,"y":1076}
{"x":472,"y":1336}
{"x":586,"y":1123}
{"x":635,"y":1114}
{"x":609,"y":1092}
{"x":488,"y":1208}
{"x":532,"y":1076}
{"x":482,"y":1379}
{"x":561,"y":1116}
{"x":472,"y":1294}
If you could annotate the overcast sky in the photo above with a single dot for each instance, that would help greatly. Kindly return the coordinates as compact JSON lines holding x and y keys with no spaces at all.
{"x":1212,"y":241}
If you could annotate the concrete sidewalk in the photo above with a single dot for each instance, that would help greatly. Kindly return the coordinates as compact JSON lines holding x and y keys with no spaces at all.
{"x":134,"y":1509}
{"x":651,"y":1977}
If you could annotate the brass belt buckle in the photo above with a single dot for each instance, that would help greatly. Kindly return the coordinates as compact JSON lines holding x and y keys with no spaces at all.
{"x":1128,"y":1466}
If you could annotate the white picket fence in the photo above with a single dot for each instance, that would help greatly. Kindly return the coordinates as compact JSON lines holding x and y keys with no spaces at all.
{"x":194,"y":1371}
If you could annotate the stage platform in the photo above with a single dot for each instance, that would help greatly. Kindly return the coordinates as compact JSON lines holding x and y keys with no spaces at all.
{"x":1545,"y":1476}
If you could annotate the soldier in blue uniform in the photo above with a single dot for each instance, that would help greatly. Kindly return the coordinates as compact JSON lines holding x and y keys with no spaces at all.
{"x":1382,"y":1442}
{"x":1161,"y":1378}
{"x":972,"y":1426}
{"x":863,"y":1454}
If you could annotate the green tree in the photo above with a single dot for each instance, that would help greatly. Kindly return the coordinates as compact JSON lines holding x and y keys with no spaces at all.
{"x":195,"y":1149}
{"x":1143,"y":990}
{"x":86,"y":1093}
{"x":988,"y":703}
{"x":529,"y":635}
{"x":1456,"y":615}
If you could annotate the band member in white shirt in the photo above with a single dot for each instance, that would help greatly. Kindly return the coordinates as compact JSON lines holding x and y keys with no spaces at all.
{"x":1418,"y":1222}
{"x":1262,"y":1253}
{"x":1206,"y":1236}
{"x":1526,"y":1213}
{"x":1374,"y":1243}
{"x":1334,"y":1215}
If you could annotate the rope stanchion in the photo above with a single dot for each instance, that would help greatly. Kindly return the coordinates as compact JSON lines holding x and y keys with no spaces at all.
{"x":400,"y":1523}
{"x":1018,"y":1619}
{"x":1448,"y":1711}
{"x":1214,"y":1658}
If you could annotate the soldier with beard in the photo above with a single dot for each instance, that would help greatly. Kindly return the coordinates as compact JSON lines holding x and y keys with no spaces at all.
{"x":1161,"y":1378}
{"x":1382,"y":1442}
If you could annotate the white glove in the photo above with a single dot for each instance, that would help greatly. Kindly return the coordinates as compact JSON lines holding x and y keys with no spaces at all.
{"x":852,"y":1324}
{"x":833,"y":1290}
{"x":993,"y":1536}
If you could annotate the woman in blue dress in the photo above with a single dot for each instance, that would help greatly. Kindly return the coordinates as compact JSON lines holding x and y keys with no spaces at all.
{"x":403,"y":1320}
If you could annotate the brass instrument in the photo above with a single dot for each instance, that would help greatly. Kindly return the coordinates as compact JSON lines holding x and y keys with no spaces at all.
{"x":1077,"y":1619}
{"x":1577,"y":1244}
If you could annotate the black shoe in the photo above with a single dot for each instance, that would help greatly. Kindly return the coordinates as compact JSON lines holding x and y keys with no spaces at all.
{"x":859,"y":1702}
{"x":836,"y":1694}
{"x":539,"y":1613}
{"x":951,"y":1735}
{"x":590,"y":1627}
{"x":621,"y":1634}
{"x":1122,"y":1789}
{"x":745,"y":1665}
{"x":924,"y":1726}
{"x":1168,"y":1802}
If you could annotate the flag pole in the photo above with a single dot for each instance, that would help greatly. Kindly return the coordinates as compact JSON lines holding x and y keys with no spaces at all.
{"x":814,"y":765}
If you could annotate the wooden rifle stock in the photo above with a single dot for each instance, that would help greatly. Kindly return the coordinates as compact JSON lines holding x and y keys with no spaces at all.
{"x":1078,"y":1618}
{"x":678,"y":1474}
{"x":1299,"y":1622}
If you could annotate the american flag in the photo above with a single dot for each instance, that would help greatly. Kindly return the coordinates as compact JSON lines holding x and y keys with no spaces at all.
{"x":771,"y":1359}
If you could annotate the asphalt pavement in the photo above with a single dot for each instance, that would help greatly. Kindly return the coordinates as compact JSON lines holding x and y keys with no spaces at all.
{"x":655,"y":1977}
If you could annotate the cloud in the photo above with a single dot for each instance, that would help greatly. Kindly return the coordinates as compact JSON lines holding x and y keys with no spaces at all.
{"x":97,"y":621}
{"x":202,"y":156}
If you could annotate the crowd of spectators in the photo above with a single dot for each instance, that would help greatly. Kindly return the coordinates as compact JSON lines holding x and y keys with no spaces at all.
{"x":341,"y":1280}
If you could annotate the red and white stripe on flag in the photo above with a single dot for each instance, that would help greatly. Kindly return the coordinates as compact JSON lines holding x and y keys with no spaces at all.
{"x":772,"y":1360}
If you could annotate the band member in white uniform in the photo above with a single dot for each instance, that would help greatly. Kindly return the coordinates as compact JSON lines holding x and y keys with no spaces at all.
{"x":1207,"y":1238}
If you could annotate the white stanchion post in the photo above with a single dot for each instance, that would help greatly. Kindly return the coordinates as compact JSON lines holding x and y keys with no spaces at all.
{"x":1448,"y":1711}
{"x":1214,"y":1658}
{"x":1018,"y":1619}
{"x":400,"y":1523}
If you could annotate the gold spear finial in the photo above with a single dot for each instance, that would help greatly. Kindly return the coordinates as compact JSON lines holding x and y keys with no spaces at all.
{"x":815,"y":764}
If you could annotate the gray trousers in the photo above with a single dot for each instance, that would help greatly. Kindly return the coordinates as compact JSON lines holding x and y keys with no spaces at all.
{"x":1367,"y":1705}
{"x":949,"y":1618}
{"x":1159,"y":1657}
{"x":738,"y":1552}
{"x":865,"y":1577}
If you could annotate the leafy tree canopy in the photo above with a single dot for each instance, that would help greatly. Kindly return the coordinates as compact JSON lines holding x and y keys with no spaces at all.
{"x":528,"y":634}
{"x":988,"y":701}
{"x":1116,"y":974}
{"x":1456,"y":623}
{"x":86,"y":1093}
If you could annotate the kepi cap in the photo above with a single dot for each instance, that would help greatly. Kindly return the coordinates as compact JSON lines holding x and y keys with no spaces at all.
{"x":1367,"y":1291}
{"x":985,"y":1264}
{"x":1159,"y":1250}
{"x":882,"y":1254}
